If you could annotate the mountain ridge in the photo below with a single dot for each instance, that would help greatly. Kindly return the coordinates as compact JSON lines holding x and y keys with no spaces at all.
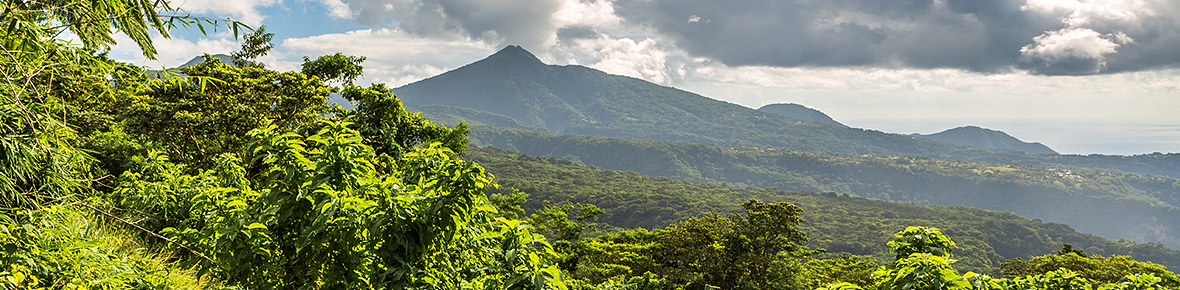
{"x":837,"y":222}
{"x":987,"y":138}
{"x":514,"y":85}
{"x":579,"y":100}
{"x":800,"y":112}
{"x":1111,"y":204}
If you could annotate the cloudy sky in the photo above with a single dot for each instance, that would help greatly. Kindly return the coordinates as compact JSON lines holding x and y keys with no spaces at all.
{"x":1082,"y":76}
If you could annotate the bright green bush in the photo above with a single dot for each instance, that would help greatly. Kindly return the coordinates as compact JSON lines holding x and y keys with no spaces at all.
{"x":928,"y":267}
{"x":325,"y":211}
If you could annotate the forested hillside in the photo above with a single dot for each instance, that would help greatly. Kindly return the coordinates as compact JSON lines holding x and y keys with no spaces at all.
{"x":219,"y":176}
{"x":1110,"y":204}
{"x":230,"y":177}
{"x":800,"y":112}
{"x":987,"y":138}
{"x":836,"y":222}
{"x":513,"y":84}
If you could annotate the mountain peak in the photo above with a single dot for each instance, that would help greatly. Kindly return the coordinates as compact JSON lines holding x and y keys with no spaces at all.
{"x":516,"y":55}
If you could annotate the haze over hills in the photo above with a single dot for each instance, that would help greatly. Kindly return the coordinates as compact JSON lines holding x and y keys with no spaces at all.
{"x":742,"y":146}
{"x":579,"y":100}
{"x":836,"y":222}
{"x":967,"y":135}
{"x":987,"y":138}
{"x":1111,"y":204}
{"x":800,"y":112}
{"x":514,"y":89}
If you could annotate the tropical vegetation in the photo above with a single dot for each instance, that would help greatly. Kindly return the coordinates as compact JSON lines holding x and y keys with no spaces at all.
{"x":237,"y":176}
{"x":1108,"y":203}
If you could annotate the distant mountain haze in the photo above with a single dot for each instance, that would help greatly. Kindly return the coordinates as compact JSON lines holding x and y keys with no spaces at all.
{"x":574,"y":99}
{"x":514,"y":89}
{"x":800,"y":112}
{"x":1111,"y":204}
{"x":987,"y":138}
{"x":967,"y":135}
{"x":836,"y":222}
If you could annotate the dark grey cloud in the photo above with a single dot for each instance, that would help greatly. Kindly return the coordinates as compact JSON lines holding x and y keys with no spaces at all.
{"x":983,"y":36}
{"x":526,"y":22}
{"x":571,"y":33}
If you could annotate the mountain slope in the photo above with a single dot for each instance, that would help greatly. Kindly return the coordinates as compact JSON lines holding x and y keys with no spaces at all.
{"x":838,"y":223}
{"x":580,"y":100}
{"x":801,"y":113}
{"x":1110,"y":204}
{"x":987,"y":138}
{"x":514,"y":84}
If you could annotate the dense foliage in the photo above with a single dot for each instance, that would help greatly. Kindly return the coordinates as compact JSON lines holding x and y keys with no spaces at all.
{"x":416,"y":220}
{"x":240,"y":177}
{"x":762,"y":249}
{"x":244,"y":173}
{"x":1111,"y":204}
{"x":50,"y":233}
{"x":924,"y":261}
{"x":836,"y":222}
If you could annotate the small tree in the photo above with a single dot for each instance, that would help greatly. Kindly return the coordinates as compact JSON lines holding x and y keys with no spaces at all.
{"x":756,"y":251}
{"x":254,"y":45}
{"x":922,"y":262}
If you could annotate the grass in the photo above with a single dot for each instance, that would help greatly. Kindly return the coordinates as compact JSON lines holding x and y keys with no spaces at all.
{"x":63,"y":247}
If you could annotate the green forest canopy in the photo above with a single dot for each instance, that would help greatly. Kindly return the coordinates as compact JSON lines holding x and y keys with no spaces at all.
{"x":836,"y":222}
{"x":242,"y":177}
{"x":1108,"y":203}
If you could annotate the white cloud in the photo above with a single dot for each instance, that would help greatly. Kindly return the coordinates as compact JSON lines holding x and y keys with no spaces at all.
{"x":585,"y":13}
{"x":1073,"y":44}
{"x":647,"y":59}
{"x":1085,"y":13}
{"x":245,"y":11}
{"x":337,"y":9}
{"x":394,"y":56}
{"x":172,"y":52}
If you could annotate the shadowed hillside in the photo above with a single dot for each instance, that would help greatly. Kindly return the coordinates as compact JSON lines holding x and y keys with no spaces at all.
{"x":512,"y":88}
{"x":836,"y":222}
{"x":800,"y":112}
{"x":1110,"y":204}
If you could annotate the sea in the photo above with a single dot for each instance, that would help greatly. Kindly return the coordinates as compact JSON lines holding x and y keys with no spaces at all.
{"x":1065,"y":137}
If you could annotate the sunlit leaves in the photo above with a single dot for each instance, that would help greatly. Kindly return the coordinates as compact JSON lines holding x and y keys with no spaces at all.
{"x":423,"y":223}
{"x":928,"y":266}
{"x":210,"y":111}
{"x":337,"y":67}
{"x":921,"y":240}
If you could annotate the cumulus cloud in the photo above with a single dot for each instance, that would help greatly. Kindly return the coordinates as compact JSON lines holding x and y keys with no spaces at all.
{"x":1071,"y":51}
{"x":172,"y":52}
{"x":394,"y":56}
{"x":245,"y":11}
{"x":1041,"y":36}
{"x":337,"y":9}
{"x":646,"y":59}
